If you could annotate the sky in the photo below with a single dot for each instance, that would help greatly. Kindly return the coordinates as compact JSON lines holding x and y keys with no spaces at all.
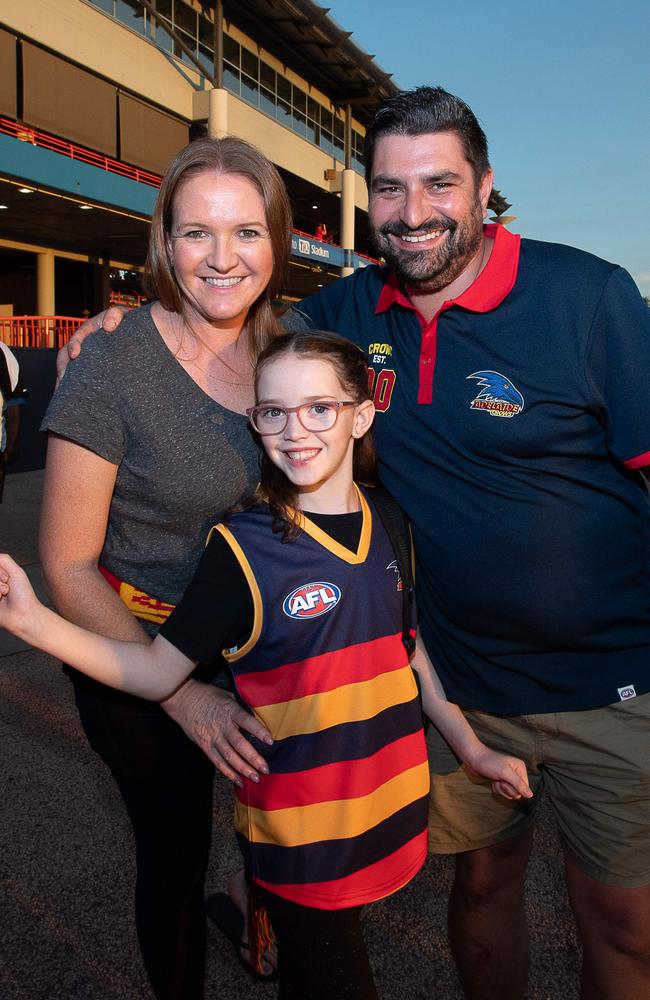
{"x":562,"y":89}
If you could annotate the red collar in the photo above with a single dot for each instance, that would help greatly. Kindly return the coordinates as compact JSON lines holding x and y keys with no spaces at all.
{"x":489,"y":289}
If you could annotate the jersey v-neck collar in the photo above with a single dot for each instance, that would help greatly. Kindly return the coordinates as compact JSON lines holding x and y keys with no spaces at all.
{"x":486,"y":292}
{"x":354,"y":558}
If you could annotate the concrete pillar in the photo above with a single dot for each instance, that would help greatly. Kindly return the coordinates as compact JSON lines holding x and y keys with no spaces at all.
{"x":348,"y":185}
{"x":45,"y":290}
{"x":217,"y":113}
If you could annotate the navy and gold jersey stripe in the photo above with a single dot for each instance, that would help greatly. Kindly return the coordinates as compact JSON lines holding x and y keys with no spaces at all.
{"x":350,"y":741}
{"x":330,"y":861}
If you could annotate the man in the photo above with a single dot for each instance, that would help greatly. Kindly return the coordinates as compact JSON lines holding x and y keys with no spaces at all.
{"x":510,"y":381}
{"x":12,"y":394}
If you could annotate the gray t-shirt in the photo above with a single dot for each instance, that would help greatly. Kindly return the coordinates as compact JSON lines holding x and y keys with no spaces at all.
{"x":182,"y":458}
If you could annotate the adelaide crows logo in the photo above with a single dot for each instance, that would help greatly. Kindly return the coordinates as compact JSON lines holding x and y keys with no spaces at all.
{"x":498,"y":395}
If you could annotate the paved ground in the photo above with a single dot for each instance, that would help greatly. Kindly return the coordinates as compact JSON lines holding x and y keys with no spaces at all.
{"x":66,"y":866}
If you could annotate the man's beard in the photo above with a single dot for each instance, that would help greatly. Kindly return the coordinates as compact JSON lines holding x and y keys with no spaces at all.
{"x":428,"y":271}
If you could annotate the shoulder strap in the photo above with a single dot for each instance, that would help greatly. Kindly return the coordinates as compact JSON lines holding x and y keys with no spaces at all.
{"x":397,"y":528}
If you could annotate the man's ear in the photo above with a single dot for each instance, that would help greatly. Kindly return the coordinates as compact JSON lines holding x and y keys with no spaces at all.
{"x":485,"y":189}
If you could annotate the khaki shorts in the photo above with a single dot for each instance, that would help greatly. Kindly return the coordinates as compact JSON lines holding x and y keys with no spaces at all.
{"x":594,"y":766}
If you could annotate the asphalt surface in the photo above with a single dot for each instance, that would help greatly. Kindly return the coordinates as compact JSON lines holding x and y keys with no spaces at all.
{"x":66,"y":859}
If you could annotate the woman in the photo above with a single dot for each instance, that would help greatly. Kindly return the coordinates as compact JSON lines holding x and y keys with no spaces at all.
{"x":148,"y":444}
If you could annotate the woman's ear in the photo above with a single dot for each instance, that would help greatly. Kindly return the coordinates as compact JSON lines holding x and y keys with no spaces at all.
{"x":363,"y":418}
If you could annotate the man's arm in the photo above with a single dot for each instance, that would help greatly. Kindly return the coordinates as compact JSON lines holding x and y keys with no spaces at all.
{"x":108,"y":320}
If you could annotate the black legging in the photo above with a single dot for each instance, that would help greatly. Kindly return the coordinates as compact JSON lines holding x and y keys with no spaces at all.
{"x":321,"y":953}
{"x":166,"y":784}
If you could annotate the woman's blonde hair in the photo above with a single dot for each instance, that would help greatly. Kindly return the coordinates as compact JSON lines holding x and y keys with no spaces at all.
{"x":223,"y":157}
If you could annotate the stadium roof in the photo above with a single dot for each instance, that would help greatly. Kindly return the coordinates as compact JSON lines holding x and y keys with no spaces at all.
{"x":301,"y":35}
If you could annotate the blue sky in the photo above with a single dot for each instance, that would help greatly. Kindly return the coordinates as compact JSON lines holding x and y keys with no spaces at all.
{"x":562,"y":88}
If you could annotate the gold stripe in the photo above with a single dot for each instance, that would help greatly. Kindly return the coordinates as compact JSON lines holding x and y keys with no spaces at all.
{"x":348,"y":703}
{"x":329,"y":543}
{"x":254,"y":589}
{"x":336,"y":820}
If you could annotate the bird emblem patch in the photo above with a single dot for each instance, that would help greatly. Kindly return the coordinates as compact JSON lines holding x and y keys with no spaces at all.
{"x":497,"y":395}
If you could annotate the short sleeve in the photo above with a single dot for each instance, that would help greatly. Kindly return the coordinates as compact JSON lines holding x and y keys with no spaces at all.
{"x":86,"y":407}
{"x":216,"y":611}
{"x":618,"y":369}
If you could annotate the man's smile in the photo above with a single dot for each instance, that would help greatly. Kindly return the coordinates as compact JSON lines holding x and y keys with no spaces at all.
{"x":431,"y":234}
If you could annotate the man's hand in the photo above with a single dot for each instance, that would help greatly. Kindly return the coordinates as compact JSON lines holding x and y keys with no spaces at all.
{"x":108,"y":320}
{"x":212,"y":719}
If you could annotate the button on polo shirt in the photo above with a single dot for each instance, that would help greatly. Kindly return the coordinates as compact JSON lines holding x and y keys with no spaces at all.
{"x":489,"y":289}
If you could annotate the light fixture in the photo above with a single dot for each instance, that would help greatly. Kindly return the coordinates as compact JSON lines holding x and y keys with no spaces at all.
{"x":86,"y":208}
{"x":25,"y":190}
{"x":319,"y":286}
{"x":314,"y":207}
{"x":3,"y":207}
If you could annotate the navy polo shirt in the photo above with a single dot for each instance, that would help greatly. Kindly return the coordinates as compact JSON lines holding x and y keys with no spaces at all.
{"x":510,"y":429}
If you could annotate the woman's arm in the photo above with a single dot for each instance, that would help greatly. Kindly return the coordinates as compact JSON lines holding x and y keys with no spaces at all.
{"x":76,"y":501}
{"x":77,"y":494}
{"x":507,"y":774}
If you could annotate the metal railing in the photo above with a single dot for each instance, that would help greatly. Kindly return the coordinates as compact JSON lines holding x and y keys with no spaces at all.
{"x":38,"y":331}
{"x":65,"y":148}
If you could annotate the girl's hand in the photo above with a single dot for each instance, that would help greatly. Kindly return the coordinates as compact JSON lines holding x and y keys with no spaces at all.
{"x":507,"y":774}
{"x":18,"y":602}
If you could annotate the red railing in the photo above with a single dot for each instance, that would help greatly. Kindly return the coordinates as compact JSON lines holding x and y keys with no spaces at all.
{"x":130,"y":300}
{"x":65,"y":148}
{"x":27,"y":134}
{"x":37,"y":331}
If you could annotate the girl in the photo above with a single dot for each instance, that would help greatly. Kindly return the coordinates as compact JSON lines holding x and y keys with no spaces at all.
{"x":299,"y":592}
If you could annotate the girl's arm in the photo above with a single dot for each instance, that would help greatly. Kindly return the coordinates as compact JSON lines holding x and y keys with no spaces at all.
{"x":507,"y":774}
{"x":149,"y":671}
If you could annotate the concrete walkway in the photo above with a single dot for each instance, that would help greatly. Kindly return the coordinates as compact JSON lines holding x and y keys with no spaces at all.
{"x":66,"y":864}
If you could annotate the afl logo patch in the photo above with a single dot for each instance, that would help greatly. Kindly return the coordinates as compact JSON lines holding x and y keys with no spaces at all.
{"x":311,"y":600}
{"x":497,"y":395}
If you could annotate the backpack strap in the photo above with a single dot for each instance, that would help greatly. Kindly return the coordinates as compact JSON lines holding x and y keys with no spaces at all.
{"x":397,"y":528}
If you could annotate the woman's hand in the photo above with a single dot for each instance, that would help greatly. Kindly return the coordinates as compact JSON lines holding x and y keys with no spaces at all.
{"x":213,"y":720}
{"x":108,"y":320}
{"x":508,"y":775}
{"x":19,"y":605}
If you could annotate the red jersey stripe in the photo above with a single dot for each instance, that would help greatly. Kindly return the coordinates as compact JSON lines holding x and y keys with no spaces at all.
{"x":396,"y":870}
{"x":334,"y":781}
{"x":316,"y":674}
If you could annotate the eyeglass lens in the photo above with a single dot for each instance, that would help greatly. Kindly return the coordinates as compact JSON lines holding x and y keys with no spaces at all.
{"x":319,"y":416}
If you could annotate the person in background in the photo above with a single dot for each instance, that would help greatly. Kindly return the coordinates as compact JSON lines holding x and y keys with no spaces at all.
{"x":12,"y":396}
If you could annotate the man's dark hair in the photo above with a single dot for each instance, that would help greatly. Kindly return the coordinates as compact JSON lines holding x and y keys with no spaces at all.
{"x":424,"y":110}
